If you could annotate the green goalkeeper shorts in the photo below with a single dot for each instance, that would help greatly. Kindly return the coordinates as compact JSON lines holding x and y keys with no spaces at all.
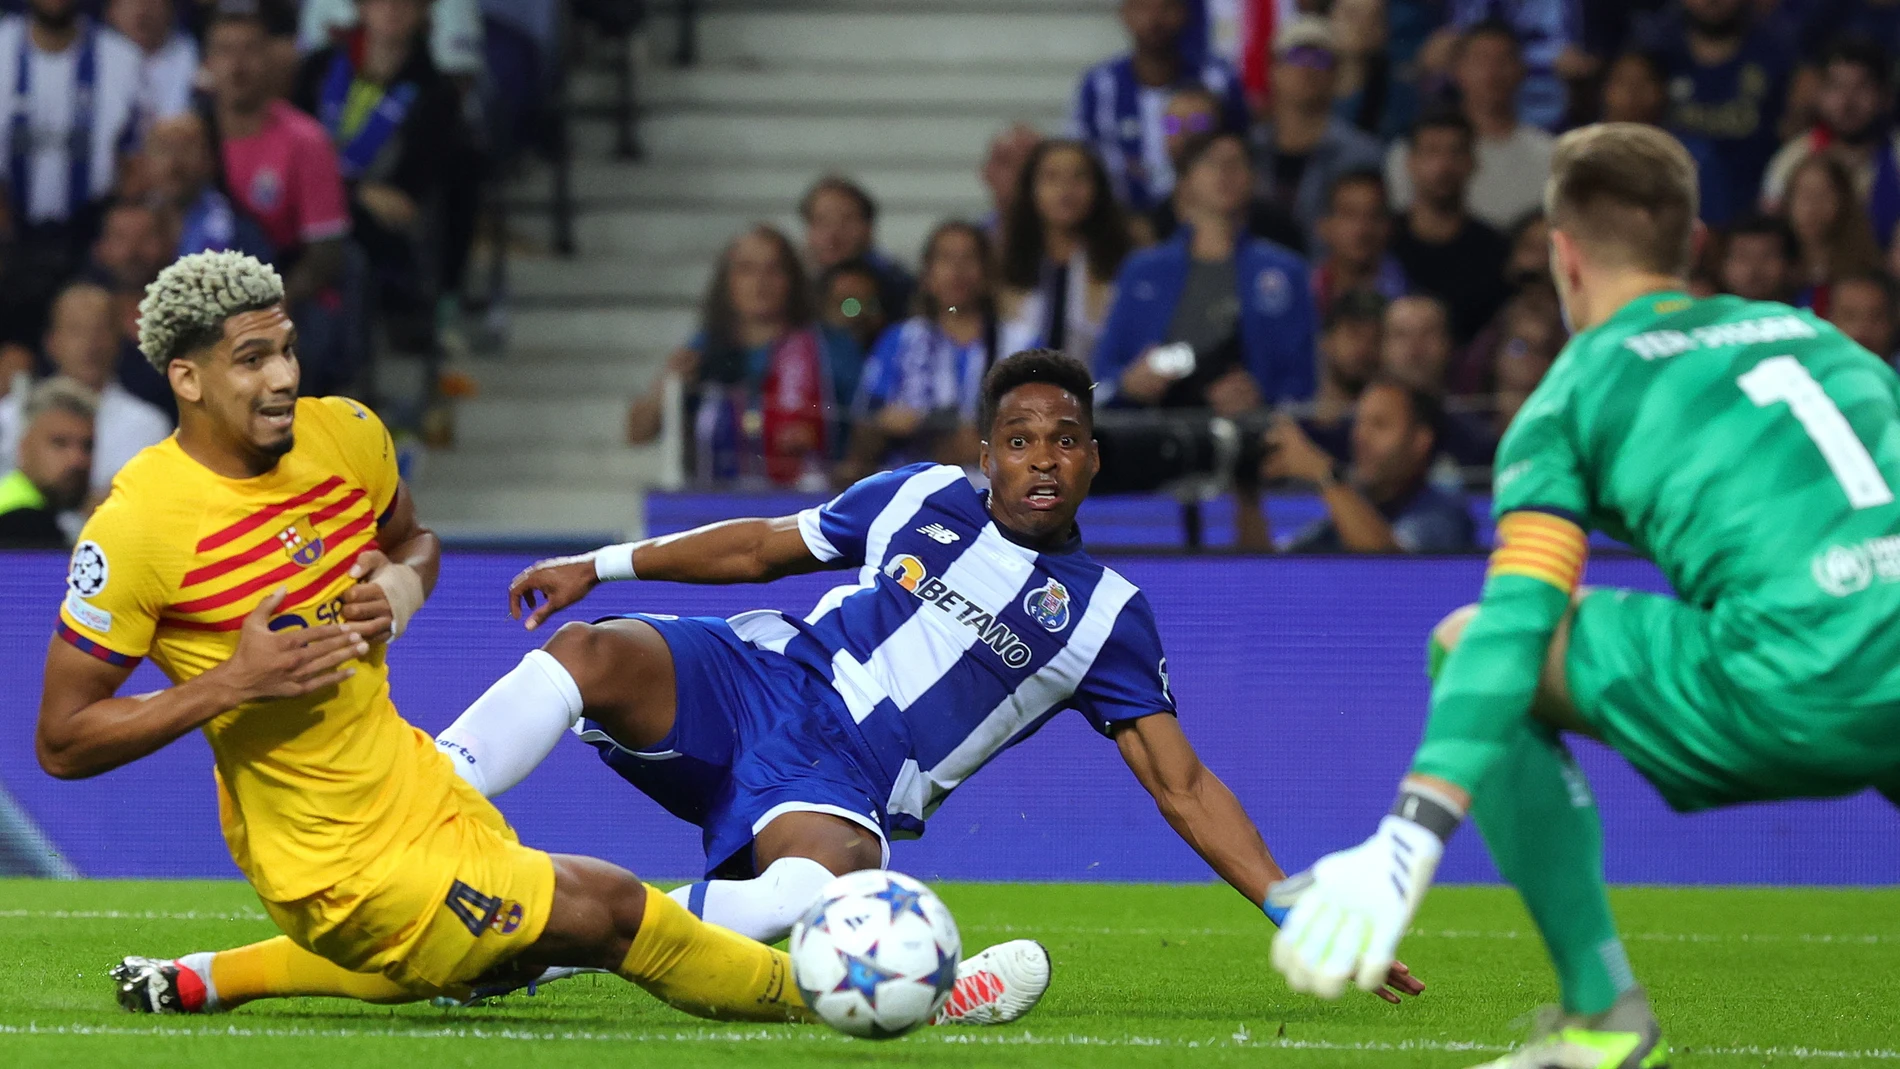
{"x":1645,"y":676}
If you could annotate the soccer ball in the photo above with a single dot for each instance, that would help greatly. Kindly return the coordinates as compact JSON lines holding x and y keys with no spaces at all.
{"x":877,"y":955}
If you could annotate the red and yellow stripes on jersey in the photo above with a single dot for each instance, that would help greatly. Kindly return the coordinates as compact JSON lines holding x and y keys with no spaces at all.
{"x":1541,"y":546}
{"x":280,"y":545}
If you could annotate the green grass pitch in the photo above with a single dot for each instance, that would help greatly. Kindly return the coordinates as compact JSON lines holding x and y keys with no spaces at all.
{"x":1145,"y":975}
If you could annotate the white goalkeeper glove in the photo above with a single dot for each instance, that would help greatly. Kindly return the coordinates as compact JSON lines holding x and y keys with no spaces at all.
{"x":1349,"y":911}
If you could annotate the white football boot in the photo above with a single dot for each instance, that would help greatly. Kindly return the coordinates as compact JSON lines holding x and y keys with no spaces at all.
{"x":999,"y":985}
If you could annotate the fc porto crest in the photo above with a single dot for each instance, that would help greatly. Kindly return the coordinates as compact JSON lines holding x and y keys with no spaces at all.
{"x":301,"y":542}
{"x":1048,"y":605}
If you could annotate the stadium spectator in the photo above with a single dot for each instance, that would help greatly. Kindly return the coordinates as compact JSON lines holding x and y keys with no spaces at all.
{"x":1364,"y":87}
{"x":180,"y":165}
{"x":1383,"y":502}
{"x":1866,"y":308}
{"x":1728,"y":71}
{"x":1551,"y":51}
{"x":1064,"y":241}
{"x":1236,"y":307}
{"x":1002,"y":173}
{"x":396,"y":123}
{"x":279,"y":168}
{"x":1417,"y":341}
{"x":1830,"y":226}
{"x":69,"y":92}
{"x":455,"y":31}
{"x":1635,"y":89}
{"x":1759,"y":258}
{"x":168,"y":64}
{"x":1349,"y":346}
{"x":1356,"y":233}
{"x":1853,"y":122}
{"x":82,"y":344}
{"x":1303,"y":147}
{"x":55,"y":456}
{"x":1533,"y":336}
{"x":135,"y":243}
{"x":1119,"y":104}
{"x":1513,"y":157}
{"x":841,"y":224}
{"x":918,"y":396}
{"x":766,"y":381}
{"x":1192,"y":112}
{"x":849,"y":302}
{"x":1438,"y":242}
{"x":1529,"y":262}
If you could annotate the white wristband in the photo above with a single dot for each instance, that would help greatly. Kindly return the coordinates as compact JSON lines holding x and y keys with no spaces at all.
{"x":614,"y":562}
{"x":403,"y":587}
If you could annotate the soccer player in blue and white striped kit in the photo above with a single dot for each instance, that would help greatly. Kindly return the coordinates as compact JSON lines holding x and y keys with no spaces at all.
{"x":801,"y":746}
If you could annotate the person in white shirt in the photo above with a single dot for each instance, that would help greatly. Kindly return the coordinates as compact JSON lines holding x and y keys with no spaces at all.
{"x":80,"y":88}
{"x":455,"y":31}
{"x":169,"y":67}
{"x":1513,"y":157}
{"x":83,"y":345}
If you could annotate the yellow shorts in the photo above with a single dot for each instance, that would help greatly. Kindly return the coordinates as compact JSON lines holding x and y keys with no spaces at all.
{"x":460,"y":900}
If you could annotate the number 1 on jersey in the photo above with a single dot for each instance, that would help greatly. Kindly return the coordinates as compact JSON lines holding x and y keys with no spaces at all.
{"x":1782,"y":379}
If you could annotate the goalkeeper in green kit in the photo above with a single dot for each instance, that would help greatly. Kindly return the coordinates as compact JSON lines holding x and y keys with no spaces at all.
{"x":1752,"y":452}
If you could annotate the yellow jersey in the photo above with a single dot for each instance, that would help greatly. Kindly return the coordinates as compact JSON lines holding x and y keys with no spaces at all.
{"x":312,"y":790}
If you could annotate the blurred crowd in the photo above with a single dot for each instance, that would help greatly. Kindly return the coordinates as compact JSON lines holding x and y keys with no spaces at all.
{"x":346,"y":142}
{"x":1319,"y":217}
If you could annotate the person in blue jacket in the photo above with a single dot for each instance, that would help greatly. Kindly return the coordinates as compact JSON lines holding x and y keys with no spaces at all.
{"x":1239,"y":304}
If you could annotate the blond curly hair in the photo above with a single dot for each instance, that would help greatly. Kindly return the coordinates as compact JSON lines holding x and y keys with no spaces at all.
{"x":185,"y":307}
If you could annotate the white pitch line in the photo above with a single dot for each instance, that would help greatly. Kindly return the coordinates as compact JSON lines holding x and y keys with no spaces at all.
{"x":1238,"y":1041}
{"x":132,"y":915}
{"x":1455,"y":933}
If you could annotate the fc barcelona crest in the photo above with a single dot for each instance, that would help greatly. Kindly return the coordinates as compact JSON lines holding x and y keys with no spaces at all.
{"x":301,"y":543}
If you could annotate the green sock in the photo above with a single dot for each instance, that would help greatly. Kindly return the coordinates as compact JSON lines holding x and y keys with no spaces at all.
{"x":1540,"y":821}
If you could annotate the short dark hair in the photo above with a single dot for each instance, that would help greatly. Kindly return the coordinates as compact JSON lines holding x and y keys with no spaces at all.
{"x":1763,"y":225}
{"x":1036,"y":365}
{"x":1368,"y":176}
{"x":1354,"y":306}
{"x":1426,"y":409}
{"x":1443,"y":117}
{"x":1862,"y":52}
{"x":1494,"y":27}
{"x":837,"y":183}
{"x":1196,"y":148}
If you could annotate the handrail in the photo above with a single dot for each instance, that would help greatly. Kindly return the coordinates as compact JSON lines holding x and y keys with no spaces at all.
{"x":561,"y":138}
{"x":686,"y":50}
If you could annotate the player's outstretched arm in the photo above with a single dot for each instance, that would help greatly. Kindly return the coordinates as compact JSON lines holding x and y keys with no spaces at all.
{"x":84,"y":730}
{"x":1205,"y":813}
{"x":736,"y":551}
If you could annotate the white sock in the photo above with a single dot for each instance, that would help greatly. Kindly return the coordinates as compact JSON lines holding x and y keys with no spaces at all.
{"x":764,"y":908}
{"x":200,"y":963}
{"x":514,"y":725}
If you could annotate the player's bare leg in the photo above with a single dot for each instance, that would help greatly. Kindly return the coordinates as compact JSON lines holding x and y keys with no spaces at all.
{"x":1537,"y":816}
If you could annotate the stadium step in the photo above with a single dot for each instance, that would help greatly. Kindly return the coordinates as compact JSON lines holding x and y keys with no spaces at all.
{"x":765,"y":185}
{"x":559,"y":373}
{"x":673,"y":233}
{"x":902,"y":95}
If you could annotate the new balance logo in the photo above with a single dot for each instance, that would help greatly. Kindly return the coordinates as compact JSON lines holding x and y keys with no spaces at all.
{"x":939,"y":533}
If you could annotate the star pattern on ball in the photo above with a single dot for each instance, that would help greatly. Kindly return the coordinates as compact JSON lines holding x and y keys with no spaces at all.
{"x":861,"y":974}
{"x":945,"y":977}
{"x":902,"y":901}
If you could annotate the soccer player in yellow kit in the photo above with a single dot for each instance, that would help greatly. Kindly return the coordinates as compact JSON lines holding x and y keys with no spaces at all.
{"x":263,"y":557}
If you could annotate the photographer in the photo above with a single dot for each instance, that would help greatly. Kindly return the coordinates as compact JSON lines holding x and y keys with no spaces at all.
{"x":1382,"y":503}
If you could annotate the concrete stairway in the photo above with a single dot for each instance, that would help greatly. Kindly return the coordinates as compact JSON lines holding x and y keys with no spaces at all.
{"x":901,"y":94}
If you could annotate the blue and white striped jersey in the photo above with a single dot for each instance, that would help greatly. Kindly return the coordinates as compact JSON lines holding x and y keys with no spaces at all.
{"x":956,"y":642}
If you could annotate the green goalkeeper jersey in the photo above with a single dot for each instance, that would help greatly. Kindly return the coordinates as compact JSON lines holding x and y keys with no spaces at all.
{"x":1751,"y":451}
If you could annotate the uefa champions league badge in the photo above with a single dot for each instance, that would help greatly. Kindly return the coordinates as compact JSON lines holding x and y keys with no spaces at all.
{"x":1048,"y":605}
{"x":1275,"y":292}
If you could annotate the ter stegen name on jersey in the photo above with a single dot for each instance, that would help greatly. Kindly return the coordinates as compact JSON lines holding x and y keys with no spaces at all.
{"x":1662,"y":344}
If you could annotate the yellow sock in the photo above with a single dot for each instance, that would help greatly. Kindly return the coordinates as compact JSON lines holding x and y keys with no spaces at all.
{"x":708,"y":971}
{"x":278,"y":968}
